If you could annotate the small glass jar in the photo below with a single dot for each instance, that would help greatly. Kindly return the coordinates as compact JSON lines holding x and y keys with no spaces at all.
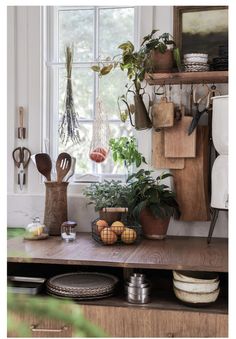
{"x":36,"y":230}
{"x":68,"y":232}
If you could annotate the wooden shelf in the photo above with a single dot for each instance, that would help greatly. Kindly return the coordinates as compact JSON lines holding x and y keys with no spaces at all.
{"x":187,"y":78}
{"x":186,"y":253}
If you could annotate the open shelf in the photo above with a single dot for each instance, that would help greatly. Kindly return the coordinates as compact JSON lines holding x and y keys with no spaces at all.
{"x":212,"y":77}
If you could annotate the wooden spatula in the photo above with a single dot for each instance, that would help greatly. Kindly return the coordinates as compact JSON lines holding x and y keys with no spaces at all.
{"x":63,"y":165}
{"x":44,"y":164}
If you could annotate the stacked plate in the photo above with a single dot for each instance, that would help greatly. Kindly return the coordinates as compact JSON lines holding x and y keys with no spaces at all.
{"x":138,"y":289}
{"x":196,"y":62}
{"x":82,"y":285}
{"x":198,"y":288}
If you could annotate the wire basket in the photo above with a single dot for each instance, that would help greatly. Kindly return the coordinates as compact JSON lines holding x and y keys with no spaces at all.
{"x":119,"y":232}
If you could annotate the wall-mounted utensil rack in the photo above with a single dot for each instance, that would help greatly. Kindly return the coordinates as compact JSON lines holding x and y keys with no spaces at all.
{"x":213,"y":77}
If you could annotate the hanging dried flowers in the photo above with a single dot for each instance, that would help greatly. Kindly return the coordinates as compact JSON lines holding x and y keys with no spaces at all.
{"x":69,"y":125}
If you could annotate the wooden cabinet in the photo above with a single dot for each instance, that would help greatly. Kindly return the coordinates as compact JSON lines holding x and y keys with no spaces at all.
{"x":164,"y":316}
{"x":142,"y":322}
{"x":41,"y":327}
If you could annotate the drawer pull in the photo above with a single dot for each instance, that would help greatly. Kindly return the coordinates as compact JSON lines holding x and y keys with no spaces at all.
{"x":35,"y":328}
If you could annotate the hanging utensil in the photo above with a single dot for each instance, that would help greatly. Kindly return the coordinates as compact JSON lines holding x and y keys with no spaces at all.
{"x":63,"y":165}
{"x":178,"y":144}
{"x":21,"y":129}
{"x":197,"y":103}
{"x":44,"y":164}
{"x":21,"y":157}
{"x":163,"y":112}
{"x":72,"y":169}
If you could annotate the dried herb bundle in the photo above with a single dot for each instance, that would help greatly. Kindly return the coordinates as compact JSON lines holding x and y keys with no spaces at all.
{"x":69,"y":125}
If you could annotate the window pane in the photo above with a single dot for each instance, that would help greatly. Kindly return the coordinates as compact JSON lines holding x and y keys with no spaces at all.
{"x":116,"y":26}
{"x":77,"y":27}
{"x":111,"y":87}
{"x":82,"y":82}
{"x":81,"y":151}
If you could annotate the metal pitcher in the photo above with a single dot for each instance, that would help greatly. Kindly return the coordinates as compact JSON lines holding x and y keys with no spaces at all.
{"x":142,"y":120}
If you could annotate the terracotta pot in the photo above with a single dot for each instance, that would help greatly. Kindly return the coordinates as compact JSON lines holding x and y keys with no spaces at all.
{"x":153,"y":228}
{"x":162,"y":62}
{"x":110,"y":217}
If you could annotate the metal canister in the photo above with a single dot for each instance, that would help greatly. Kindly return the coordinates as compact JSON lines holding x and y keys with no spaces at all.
{"x":138,"y":289}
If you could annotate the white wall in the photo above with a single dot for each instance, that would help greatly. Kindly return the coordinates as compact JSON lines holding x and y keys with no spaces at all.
{"x":25,"y":86}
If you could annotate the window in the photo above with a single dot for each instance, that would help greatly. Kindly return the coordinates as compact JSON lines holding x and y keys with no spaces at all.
{"x":95,"y":33}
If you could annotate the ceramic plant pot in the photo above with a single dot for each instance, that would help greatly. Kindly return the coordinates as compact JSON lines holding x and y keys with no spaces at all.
{"x":153,"y":228}
{"x":110,"y":217}
{"x":162,"y":62}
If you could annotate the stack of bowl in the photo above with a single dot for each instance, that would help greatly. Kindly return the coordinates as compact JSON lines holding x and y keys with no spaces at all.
{"x":138,"y":289}
{"x":198,"y":288}
{"x":196,"y":62}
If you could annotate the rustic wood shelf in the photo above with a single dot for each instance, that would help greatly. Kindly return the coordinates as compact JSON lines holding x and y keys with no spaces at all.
{"x":186,"y":253}
{"x":212,"y":77}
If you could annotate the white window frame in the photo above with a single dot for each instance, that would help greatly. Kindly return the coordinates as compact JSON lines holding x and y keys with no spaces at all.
{"x":143,"y":25}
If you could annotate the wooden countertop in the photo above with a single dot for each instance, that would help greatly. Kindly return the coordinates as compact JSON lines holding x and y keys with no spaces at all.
{"x":186,"y":253}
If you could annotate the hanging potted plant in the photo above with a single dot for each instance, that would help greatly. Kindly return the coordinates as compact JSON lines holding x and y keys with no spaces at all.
{"x":161,"y":53}
{"x":151,"y":203}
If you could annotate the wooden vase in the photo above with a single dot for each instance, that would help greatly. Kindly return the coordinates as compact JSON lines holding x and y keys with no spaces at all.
{"x":55,"y":212}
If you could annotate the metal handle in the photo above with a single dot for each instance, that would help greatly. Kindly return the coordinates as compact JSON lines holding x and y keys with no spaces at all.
{"x":35,"y":328}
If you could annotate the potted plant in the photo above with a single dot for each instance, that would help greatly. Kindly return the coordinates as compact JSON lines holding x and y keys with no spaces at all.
{"x":136,"y":63}
{"x":160,"y":57}
{"x":125,"y":151}
{"x":151,"y":203}
{"x":107,"y":194}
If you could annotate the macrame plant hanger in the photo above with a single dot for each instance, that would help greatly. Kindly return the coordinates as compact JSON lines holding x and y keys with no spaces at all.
{"x":100,"y":137}
{"x":69,"y":125}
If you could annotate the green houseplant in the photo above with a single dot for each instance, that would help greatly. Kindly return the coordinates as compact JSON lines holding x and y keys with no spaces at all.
{"x":160,"y":55}
{"x":135,"y":63}
{"x":151,"y":203}
{"x":107,"y":194}
{"x":125,"y":151}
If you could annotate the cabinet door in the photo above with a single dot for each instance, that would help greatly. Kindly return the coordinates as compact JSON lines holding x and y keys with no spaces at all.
{"x":40,"y":328}
{"x":141,"y":322}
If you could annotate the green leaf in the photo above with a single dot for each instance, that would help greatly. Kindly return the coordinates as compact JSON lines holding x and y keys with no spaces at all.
{"x":96,"y":68}
{"x":106,"y":69}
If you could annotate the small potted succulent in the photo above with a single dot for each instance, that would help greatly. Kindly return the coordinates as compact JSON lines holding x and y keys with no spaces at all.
{"x":125,"y":151}
{"x":107,"y":194}
{"x":151,"y":203}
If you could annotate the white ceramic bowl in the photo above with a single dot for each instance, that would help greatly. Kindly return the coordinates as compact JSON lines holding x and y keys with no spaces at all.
{"x":219,"y":183}
{"x":196,"y":57}
{"x":196,"y":287}
{"x":195,"y":277}
{"x":196,"y":298}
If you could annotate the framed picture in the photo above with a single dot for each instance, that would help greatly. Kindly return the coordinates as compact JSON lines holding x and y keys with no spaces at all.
{"x":202,"y":29}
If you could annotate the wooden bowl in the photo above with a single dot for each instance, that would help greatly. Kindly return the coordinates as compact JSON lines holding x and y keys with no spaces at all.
{"x":196,"y":298}
{"x":196,"y":277}
{"x":196,"y":287}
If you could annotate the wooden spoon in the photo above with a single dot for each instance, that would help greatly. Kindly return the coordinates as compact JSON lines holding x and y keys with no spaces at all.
{"x":44,"y":165}
{"x":72,"y":169}
{"x":63,"y":165}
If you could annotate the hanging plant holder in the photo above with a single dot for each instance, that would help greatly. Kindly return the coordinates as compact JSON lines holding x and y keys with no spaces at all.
{"x":99,"y":144}
{"x":69,"y":124}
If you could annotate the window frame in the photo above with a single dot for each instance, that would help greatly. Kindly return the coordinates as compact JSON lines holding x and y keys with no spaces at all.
{"x":141,"y":14}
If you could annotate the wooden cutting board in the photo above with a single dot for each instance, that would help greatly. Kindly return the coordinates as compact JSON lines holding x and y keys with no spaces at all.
{"x":162,"y":114}
{"x":158,"y":159}
{"x":191,"y":183}
{"x":178,"y":144}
